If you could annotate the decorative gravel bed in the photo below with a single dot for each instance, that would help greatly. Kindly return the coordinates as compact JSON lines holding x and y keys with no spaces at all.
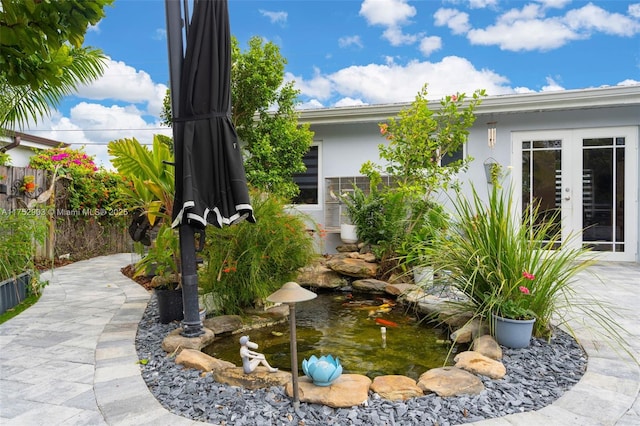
{"x":536,"y":377}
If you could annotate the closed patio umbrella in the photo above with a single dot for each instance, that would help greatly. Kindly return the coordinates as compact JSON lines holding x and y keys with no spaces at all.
{"x":211,"y":186}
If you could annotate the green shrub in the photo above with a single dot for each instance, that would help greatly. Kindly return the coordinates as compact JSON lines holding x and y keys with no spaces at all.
{"x":244,"y":263}
{"x":19,"y":232}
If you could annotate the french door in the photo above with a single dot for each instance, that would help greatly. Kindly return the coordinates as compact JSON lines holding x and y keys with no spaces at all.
{"x":586,"y":182}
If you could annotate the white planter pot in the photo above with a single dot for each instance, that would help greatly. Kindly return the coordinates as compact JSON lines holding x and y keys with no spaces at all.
{"x":423,"y":275}
{"x":348,"y":234}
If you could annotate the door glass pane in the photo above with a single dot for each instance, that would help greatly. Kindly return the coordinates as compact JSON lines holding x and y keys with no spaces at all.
{"x":603,"y":194}
{"x":541,"y":181}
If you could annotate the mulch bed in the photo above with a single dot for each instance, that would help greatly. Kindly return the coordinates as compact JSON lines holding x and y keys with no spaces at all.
{"x":144,"y":281}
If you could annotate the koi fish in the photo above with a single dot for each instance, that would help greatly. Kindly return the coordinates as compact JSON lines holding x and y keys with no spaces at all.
{"x":385,"y":322}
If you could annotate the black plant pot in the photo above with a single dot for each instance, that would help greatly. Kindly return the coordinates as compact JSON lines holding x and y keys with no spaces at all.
{"x":3,"y":188}
{"x":170,"y":305}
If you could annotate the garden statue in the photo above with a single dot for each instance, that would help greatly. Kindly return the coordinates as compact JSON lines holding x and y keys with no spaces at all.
{"x":251,"y":359}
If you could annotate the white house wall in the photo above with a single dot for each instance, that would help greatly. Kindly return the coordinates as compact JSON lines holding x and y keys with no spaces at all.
{"x":346,"y":146}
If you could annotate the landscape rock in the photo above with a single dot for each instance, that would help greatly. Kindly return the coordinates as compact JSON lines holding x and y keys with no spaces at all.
{"x":259,"y":378}
{"x":396,"y":387}
{"x":320,"y":276}
{"x":175,"y":341}
{"x":223,"y":323}
{"x":487,"y":346}
{"x":398,"y":289}
{"x":477,"y":363}
{"x":348,"y":390}
{"x":450,"y":381}
{"x":367,"y":257}
{"x":356,"y":268}
{"x":192,"y":358}
{"x":370,"y":285}
{"x":470,"y":331}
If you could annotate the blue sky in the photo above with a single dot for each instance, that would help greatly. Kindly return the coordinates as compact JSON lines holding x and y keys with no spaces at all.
{"x":357,"y":52}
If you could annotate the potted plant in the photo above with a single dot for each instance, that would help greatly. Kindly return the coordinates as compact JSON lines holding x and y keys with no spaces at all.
{"x":507,"y":266}
{"x":28,"y":184}
{"x":161,"y":260}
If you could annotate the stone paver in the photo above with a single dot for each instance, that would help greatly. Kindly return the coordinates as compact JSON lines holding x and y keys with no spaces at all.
{"x":71,"y":359}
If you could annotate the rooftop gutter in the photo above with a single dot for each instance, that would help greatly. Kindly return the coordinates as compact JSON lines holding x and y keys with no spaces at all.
{"x":504,"y":104}
{"x":14,"y":144}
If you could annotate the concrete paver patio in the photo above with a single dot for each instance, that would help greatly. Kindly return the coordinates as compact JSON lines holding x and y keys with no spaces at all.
{"x":71,"y":360}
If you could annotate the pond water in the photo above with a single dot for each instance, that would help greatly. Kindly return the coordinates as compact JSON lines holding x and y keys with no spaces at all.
{"x":348,"y":326}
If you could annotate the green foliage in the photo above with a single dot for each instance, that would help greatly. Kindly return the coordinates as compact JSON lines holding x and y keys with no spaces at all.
{"x":151,"y":179}
{"x":162,"y":257}
{"x":491,"y":255}
{"x":41,"y":54}
{"x":246,"y":262}
{"x":429,"y":220}
{"x":5,"y":159}
{"x":19,"y":232}
{"x":420,"y":138}
{"x":275,"y":143}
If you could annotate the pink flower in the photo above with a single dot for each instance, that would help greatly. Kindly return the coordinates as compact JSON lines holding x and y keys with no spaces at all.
{"x":528,"y":276}
{"x":383,"y":129}
{"x":454,"y":98}
{"x":524,"y":290}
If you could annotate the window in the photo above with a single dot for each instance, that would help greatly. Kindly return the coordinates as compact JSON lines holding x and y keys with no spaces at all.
{"x":455,"y":156}
{"x":308,"y":180}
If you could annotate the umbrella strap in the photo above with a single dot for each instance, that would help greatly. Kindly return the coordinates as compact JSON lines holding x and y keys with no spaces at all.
{"x":201,"y":117}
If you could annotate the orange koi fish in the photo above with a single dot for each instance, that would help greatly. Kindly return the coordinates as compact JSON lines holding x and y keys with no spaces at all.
{"x":385,"y":322}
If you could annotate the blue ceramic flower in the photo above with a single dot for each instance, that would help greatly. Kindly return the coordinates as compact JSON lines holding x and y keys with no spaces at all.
{"x":323,"y":371}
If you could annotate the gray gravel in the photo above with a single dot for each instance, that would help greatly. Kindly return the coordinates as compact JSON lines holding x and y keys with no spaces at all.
{"x":536,"y":377}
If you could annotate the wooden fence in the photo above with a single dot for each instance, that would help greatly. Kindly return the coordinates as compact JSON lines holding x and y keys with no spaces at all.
{"x":81,"y":236}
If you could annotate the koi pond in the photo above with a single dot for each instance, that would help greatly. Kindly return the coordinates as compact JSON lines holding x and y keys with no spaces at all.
{"x":350,"y":327}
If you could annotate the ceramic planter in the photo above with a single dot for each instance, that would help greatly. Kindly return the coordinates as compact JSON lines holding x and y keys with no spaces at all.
{"x":512,"y":333}
{"x":348,"y":233}
{"x":170,"y":305}
{"x":3,"y":188}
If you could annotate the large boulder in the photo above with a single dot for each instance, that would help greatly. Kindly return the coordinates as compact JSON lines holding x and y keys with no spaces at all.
{"x":348,"y":390}
{"x":450,"y":381}
{"x":356,"y":268}
{"x":477,"y":363}
{"x":370,"y":285}
{"x":223,"y":323}
{"x":396,"y":387}
{"x":259,"y":378}
{"x":320,"y":276}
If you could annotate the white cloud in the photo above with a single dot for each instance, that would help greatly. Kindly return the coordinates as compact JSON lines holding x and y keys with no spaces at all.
{"x":160,"y":34}
{"x":396,"y":37}
{"x":392,"y":14}
{"x":275,"y":17}
{"x":311,"y":104}
{"x":124,"y":83}
{"x":634,"y":10}
{"x":317,"y":87}
{"x":593,"y":18}
{"x":628,"y":82}
{"x":529,"y":28}
{"x":378,"y":83}
{"x":347,"y":41}
{"x":524,"y":35}
{"x":458,"y":22}
{"x":551,"y":86}
{"x":428,"y":45}
{"x":344,"y":102}
{"x":388,"y":13}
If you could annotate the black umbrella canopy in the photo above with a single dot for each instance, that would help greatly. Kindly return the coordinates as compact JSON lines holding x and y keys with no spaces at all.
{"x":211,"y":185}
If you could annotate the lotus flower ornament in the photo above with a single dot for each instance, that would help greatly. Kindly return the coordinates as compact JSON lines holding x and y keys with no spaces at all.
{"x":323,"y":371}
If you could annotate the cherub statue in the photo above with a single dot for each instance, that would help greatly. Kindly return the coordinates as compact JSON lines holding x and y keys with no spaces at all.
{"x":251,"y":359}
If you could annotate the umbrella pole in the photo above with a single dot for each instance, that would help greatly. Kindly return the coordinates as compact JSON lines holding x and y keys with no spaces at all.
{"x":191,"y":326}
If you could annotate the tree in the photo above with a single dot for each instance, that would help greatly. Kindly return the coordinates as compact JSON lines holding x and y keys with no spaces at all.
{"x":276,"y":143}
{"x":41,"y":55}
{"x":263,"y":112}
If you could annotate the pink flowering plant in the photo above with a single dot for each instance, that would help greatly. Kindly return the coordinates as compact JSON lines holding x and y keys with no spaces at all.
{"x":515,"y":304}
